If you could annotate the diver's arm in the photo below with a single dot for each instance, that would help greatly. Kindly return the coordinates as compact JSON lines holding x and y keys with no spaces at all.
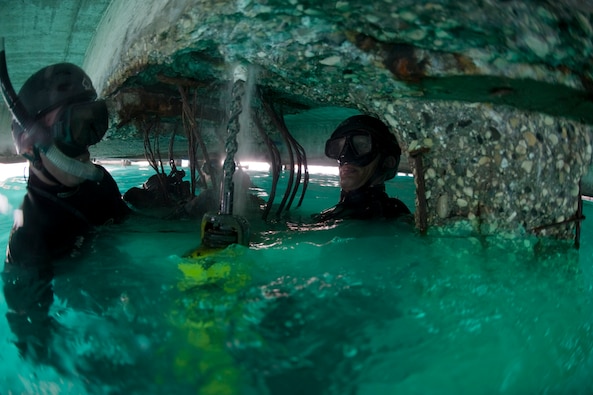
{"x":119,"y":208}
{"x":27,"y":288}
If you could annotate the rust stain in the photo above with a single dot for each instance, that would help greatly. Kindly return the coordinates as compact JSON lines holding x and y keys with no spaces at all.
{"x":362,"y":41}
{"x":465,"y":64}
{"x":401,"y":60}
{"x":131,"y":104}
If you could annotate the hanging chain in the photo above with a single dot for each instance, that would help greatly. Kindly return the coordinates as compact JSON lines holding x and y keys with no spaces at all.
{"x":231,"y":145}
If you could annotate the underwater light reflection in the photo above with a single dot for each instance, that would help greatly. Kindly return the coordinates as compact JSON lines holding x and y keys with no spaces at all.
{"x":13,"y":169}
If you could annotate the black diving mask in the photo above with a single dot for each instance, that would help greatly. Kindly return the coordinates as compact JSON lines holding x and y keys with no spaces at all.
{"x":356,"y":148}
{"x":79,"y":126}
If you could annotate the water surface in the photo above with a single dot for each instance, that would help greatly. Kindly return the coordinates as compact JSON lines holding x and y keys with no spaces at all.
{"x":351,"y":308}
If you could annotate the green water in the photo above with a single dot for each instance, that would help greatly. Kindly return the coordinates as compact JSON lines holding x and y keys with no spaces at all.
{"x":356,"y":308}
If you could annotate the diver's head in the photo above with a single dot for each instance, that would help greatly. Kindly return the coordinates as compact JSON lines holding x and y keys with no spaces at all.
{"x":367,"y":153}
{"x":79,"y":121}
{"x":62,"y":119}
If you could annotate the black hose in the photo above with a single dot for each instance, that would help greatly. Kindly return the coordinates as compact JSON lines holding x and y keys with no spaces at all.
{"x":16,"y":107}
{"x":302,"y":164}
{"x":293,"y":146}
{"x":275,"y":119}
{"x":276,"y":163}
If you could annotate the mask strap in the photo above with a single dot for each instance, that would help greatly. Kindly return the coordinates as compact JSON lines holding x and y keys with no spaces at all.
{"x":37,"y":163}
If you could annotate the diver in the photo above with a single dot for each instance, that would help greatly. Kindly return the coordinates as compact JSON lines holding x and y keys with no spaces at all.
{"x":368,"y":155}
{"x":160,"y":192}
{"x":56,"y":117}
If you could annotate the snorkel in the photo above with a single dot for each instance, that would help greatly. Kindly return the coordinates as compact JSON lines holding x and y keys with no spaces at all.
{"x":36,"y":135}
{"x":17,"y":109}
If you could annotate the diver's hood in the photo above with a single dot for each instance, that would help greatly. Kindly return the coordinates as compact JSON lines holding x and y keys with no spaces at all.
{"x":36,"y":135}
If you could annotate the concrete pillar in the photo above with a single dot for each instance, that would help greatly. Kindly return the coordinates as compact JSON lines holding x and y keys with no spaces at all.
{"x":491,"y":170}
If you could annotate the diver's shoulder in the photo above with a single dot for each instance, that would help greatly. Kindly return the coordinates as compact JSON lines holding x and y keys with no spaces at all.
{"x":397,"y":207}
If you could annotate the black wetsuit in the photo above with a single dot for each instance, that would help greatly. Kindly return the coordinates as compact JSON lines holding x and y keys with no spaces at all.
{"x":51,"y":222}
{"x":365,"y":203}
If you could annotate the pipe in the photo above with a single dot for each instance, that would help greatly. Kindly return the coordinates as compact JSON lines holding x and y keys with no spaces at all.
{"x":86,"y":170}
{"x":16,"y":107}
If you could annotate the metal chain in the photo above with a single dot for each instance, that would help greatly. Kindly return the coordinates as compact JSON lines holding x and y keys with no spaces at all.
{"x":231,"y":146}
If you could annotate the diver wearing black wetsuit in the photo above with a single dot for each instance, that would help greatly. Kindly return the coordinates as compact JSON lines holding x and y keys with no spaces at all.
{"x":55,"y":220}
{"x":365,"y":203}
{"x":56,"y":117}
{"x":368,"y":155}
{"x":55,"y":216}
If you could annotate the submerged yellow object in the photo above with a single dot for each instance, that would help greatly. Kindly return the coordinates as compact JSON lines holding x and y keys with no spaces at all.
{"x":201,"y":252}
{"x":196,"y":274}
{"x":212,"y":280}
{"x":225,"y":268}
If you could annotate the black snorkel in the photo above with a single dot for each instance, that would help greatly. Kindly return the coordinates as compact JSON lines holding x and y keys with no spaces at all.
{"x":16,"y":107}
{"x":35,"y":135}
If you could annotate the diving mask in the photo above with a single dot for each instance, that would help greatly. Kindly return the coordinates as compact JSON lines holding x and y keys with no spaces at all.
{"x":79,"y":126}
{"x":356,"y":148}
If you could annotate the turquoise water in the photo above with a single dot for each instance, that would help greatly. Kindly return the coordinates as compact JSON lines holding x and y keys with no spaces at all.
{"x":355,"y":308}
